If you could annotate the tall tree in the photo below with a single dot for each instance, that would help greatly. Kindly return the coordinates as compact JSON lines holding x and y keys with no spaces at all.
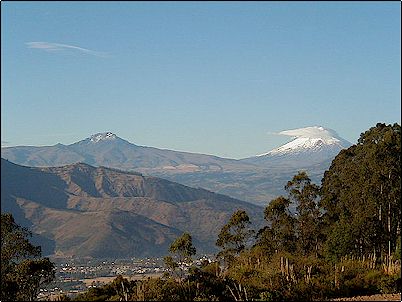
{"x":183,"y":250}
{"x":305,"y":195}
{"x":280,"y":234}
{"x":234,"y":235}
{"x":361,"y":194}
{"x":22,"y":269}
{"x":183,"y":247}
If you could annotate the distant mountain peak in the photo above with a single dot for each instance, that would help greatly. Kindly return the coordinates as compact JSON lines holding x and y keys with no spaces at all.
{"x":98,"y":140}
{"x":313,"y":138}
{"x":103,"y":136}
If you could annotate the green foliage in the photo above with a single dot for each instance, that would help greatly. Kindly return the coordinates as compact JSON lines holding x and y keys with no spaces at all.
{"x":209,"y":286}
{"x":183,"y":250}
{"x":340,"y":238}
{"x":297,"y":234}
{"x":388,"y":284}
{"x":281,"y":234}
{"x":14,"y":241}
{"x":121,"y":287}
{"x":308,"y":225}
{"x":22,"y":269}
{"x":267,"y":296}
{"x":183,"y":247}
{"x":30,"y":275}
{"x":357,"y":278}
{"x":234,"y":235}
{"x":361,"y":193}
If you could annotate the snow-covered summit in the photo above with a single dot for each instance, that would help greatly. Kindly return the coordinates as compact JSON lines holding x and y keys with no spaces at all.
{"x":99,"y":141}
{"x":309,"y":139}
{"x":105,"y":136}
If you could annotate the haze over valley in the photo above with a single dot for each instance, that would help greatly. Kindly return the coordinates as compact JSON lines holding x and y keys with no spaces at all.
{"x":255,"y":179}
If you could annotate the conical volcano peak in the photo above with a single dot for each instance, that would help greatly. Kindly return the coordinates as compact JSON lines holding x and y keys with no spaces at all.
{"x":100,"y":140}
{"x":310,"y":139}
{"x":103,"y":136}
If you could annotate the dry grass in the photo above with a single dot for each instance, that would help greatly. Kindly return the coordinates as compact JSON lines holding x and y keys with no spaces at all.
{"x":378,"y":297}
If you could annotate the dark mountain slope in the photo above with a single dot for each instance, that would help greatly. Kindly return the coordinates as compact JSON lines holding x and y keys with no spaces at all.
{"x":101,"y":212}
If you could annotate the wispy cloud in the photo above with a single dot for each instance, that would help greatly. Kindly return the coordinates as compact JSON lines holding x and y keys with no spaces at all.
{"x":274,"y":133}
{"x":58,"y":47}
{"x":308,"y":132}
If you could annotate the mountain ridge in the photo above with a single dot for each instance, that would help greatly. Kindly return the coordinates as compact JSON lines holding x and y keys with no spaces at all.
{"x":255,"y":179}
{"x":90,"y":211}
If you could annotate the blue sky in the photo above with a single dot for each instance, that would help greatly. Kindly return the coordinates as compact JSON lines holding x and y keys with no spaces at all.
{"x":215,"y":77}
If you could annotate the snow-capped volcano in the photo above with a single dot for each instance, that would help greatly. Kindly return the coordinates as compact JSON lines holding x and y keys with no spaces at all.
{"x":310,"y":146}
{"x":309,"y":139}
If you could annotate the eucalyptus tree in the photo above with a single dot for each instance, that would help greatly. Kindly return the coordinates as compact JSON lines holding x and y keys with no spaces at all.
{"x":183,"y":250}
{"x":305,"y":195}
{"x":23,"y":271}
{"x":361,"y":194}
{"x":234,"y":236}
